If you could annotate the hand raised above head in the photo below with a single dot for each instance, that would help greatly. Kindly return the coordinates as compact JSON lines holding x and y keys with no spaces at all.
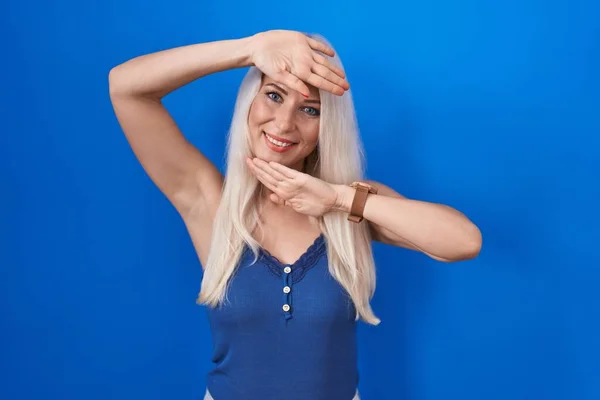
{"x":293,"y":59}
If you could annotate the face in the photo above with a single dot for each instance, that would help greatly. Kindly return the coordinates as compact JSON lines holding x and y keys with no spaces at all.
{"x":283,"y":124}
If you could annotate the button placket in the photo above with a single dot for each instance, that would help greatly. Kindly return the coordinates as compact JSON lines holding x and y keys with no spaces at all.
{"x":287,"y":289}
{"x":293,"y":273}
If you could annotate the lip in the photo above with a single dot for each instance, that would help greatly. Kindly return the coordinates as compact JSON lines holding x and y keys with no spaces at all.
{"x":279,"y":138}
{"x":275,"y":148}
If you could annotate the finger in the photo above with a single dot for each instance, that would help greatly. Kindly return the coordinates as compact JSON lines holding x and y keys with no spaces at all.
{"x":293,"y":82}
{"x":283,"y":170}
{"x":324,"y":61}
{"x":266,"y":180}
{"x":323,"y":48}
{"x":330,"y":76}
{"x":320,"y":82}
{"x":265,"y":167}
{"x":262,"y":176}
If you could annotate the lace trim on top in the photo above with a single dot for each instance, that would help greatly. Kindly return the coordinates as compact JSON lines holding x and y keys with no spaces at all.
{"x":290,"y":274}
{"x":299,"y":268}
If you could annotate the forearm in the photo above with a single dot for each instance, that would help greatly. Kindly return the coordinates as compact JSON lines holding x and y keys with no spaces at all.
{"x":434,"y":228}
{"x":158,"y":74}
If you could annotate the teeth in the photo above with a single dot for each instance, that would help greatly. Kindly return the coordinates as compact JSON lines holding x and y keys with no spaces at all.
{"x":277,"y":142}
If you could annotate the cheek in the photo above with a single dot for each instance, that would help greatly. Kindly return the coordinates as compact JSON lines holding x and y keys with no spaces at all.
{"x":259,"y":112}
{"x":252,"y":114}
{"x":311,"y":132}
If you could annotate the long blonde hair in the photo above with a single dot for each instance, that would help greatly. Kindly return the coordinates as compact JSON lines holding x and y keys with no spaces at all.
{"x":339,"y":159}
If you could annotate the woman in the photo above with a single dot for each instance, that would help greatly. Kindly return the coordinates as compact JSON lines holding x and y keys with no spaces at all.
{"x":285,"y":237}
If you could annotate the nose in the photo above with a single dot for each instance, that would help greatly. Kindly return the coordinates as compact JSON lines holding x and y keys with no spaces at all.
{"x":284,"y":119}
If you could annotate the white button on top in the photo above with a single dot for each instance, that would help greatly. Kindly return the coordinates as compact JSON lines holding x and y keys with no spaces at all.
{"x":286,"y":289}
{"x":287,"y":270}
{"x":286,"y":307}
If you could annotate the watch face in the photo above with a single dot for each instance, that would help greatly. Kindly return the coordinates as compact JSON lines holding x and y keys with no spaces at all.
{"x":356,"y":184}
{"x":362,"y":185}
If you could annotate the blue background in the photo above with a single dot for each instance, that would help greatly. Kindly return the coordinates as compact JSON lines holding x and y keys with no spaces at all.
{"x":490,"y":108}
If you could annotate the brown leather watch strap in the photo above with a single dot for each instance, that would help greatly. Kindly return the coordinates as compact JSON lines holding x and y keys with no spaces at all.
{"x":359,"y":201}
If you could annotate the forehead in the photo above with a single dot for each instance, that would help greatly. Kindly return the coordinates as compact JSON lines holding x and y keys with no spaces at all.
{"x":313,"y":90}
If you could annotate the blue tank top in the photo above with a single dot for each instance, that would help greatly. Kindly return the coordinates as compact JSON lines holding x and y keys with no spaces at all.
{"x":287,"y":332}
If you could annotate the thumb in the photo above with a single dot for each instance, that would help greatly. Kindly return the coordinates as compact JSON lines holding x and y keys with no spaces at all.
{"x":277,"y":200}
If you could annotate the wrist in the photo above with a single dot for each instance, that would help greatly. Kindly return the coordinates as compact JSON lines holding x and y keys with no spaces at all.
{"x":344,"y":197}
{"x":246,"y":51}
{"x":251,"y":44}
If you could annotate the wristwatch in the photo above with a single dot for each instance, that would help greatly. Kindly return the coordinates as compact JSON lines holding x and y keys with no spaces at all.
{"x":360,"y":198}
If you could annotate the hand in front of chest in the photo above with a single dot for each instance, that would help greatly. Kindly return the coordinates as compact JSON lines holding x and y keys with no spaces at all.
{"x":302,"y":192}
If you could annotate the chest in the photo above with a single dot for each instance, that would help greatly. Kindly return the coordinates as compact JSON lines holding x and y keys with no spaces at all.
{"x":261,"y":293}
{"x":285,"y":244}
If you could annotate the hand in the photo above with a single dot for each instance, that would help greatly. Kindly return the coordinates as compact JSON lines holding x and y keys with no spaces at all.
{"x":291,"y":58}
{"x":302,"y":192}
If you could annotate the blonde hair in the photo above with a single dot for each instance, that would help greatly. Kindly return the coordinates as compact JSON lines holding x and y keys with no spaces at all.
{"x":338,"y":158}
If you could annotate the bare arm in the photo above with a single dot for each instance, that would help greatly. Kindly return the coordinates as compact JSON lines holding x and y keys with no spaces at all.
{"x":137,"y":86}
{"x":188,"y":179}
{"x":437,"y":230}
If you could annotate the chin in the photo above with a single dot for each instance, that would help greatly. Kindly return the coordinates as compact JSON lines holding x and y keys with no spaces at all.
{"x":281,"y":159}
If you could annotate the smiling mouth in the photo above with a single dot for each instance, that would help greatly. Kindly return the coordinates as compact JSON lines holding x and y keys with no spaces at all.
{"x":278,"y":142}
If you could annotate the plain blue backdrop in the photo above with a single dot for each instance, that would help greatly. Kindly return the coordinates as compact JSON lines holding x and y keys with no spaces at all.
{"x":490,"y":107}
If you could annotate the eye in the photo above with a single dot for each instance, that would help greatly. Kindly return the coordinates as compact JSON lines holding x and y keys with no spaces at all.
{"x":274,"y":96}
{"x":311,"y":111}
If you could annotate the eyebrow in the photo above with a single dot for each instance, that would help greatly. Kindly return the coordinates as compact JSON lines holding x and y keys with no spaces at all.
{"x":286,"y":93}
